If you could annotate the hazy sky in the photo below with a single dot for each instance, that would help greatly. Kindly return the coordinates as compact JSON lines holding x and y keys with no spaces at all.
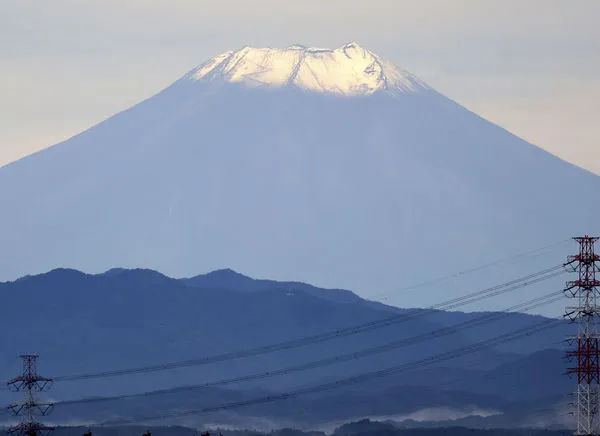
{"x":531,"y":66}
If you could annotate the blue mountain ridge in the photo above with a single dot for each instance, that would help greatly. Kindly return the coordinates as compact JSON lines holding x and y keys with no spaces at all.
{"x":130,"y":318}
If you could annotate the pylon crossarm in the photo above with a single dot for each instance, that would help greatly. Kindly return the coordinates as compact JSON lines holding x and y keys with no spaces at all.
{"x":45,"y":408}
{"x":16,"y":408}
{"x":571,"y":289}
{"x":571,"y":264}
{"x":43,"y":385}
{"x":575,"y":313}
{"x":36,"y":383}
{"x":16,"y":384}
{"x":15,"y":388}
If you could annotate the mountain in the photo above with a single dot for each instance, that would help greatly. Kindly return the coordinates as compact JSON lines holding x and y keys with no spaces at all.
{"x":124,"y":319}
{"x":350,"y":70}
{"x":333,"y":166}
{"x":231,"y":280}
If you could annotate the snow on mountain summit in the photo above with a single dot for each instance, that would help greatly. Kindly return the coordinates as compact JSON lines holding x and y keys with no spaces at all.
{"x":349,"y":70}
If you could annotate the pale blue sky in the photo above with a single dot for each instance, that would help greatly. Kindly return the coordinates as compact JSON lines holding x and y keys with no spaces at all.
{"x":531,"y":66}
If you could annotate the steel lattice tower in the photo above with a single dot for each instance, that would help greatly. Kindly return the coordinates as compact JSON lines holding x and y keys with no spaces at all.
{"x":30,"y":382}
{"x":586,"y":352}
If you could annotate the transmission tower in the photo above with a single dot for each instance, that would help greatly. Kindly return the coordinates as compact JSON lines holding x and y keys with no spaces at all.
{"x":586,"y":352}
{"x":29,"y":383}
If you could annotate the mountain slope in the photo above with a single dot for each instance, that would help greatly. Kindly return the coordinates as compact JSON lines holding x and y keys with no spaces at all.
{"x":138,"y":318}
{"x":135,"y":318}
{"x":364,"y":192}
{"x":228,"y":279}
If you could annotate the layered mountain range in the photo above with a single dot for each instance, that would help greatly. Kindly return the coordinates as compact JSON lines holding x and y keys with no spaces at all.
{"x":330,"y":166}
{"x":214,"y":341}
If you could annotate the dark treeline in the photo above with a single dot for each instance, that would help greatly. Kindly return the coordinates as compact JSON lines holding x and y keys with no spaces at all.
{"x":361,"y":428}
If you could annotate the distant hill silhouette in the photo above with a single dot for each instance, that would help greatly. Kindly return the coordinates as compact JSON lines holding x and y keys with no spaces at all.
{"x":231,"y":280}
{"x":133,"y":318}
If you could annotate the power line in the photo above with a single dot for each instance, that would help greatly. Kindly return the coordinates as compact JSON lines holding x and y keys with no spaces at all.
{"x":475,"y":269}
{"x":343,"y":332}
{"x":444,"y":331}
{"x":547,"y":324}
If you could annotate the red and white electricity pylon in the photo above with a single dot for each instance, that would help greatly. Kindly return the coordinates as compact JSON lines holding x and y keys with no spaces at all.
{"x":586,"y":352}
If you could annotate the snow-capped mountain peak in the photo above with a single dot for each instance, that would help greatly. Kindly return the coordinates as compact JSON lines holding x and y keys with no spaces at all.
{"x":348,"y":70}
